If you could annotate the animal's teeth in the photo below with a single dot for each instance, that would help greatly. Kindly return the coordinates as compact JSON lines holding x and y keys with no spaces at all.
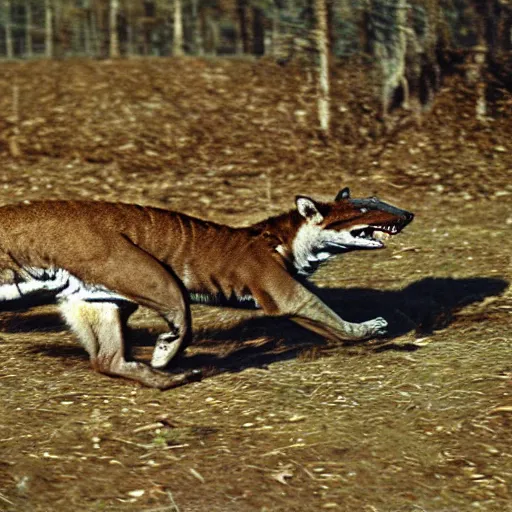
{"x":381,"y":235}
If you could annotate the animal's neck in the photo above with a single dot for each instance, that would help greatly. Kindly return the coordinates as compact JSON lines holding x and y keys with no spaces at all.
{"x":290,"y":236}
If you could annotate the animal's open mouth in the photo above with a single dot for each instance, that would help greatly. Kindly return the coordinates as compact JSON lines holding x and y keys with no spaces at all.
{"x":374,"y":236}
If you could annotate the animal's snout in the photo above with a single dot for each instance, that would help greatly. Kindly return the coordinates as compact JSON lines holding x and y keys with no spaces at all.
{"x":409,"y":216}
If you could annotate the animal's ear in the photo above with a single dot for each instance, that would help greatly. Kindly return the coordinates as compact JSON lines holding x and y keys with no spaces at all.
{"x":308,"y":209}
{"x":344,"y":193}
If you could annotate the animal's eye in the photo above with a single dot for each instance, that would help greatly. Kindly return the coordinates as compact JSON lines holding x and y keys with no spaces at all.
{"x":363,"y":210}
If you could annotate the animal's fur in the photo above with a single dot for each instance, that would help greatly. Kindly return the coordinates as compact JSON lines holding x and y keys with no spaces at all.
{"x":100,"y":260}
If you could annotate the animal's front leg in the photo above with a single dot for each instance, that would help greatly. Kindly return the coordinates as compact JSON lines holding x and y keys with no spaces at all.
{"x":318,"y":317}
{"x":287,"y":297}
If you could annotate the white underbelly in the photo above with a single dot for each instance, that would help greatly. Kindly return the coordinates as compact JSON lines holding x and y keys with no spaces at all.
{"x":67,"y":286}
{"x":77,"y":289}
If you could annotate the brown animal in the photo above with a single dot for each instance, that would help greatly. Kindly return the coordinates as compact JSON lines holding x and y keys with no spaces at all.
{"x":101,"y":260}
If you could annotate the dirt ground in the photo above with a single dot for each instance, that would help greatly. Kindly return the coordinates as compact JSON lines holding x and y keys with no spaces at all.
{"x":419,"y":421}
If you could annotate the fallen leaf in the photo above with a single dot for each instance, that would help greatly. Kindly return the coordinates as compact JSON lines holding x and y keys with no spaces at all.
{"x":137,"y":493}
{"x":282,"y":474}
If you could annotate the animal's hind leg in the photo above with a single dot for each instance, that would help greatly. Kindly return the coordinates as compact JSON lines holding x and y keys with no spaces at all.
{"x":168,"y":343}
{"x":98,"y":327}
{"x":133,"y":273}
{"x":126,"y":310}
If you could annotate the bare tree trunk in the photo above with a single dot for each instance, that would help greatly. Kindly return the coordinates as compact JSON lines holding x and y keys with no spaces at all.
{"x":48,"y":28}
{"x":76,"y":33}
{"x":239,"y":48}
{"x":212,"y":35}
{"x":28,"y":29}
{"x":95,"y":34}
{"x":196,"y":26}
{"x":130,"y":46}
{"x":475,"y":68}
{"x":366,"y":36}
{"x":275,"y":30}
{"x":258,"y":31}
{"x":241,"y":7}
{"x":177,"y":47}
{"x":114,"y":39}
{"x":323,"y":69}
{"x":60,"y":32}
{"x":87,"y":33}
{"x":391,"y":50}
{"x":9,"y":48}
{"x":130,"y":31}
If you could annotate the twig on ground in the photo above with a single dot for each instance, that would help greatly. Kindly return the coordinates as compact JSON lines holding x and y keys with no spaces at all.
{"x":197,"y":475}
{"x":171,"y":499}
{"x":151,"y":426}
{"x":3,"y":498}
{"x":131,"y":443}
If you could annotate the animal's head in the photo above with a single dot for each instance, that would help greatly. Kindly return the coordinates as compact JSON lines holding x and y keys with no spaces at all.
{"x":347,"y":224}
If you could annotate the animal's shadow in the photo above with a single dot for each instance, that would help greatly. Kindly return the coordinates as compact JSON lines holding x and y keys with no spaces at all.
{"x":422,"y":307}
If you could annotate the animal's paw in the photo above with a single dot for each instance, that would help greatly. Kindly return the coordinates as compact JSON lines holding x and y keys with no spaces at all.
{"x":167,"y":337}
{"x":167,"y":346}
{"x":377,"y":326}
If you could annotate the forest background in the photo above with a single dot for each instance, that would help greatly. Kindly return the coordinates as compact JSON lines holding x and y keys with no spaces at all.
{"x":411,"y":44}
